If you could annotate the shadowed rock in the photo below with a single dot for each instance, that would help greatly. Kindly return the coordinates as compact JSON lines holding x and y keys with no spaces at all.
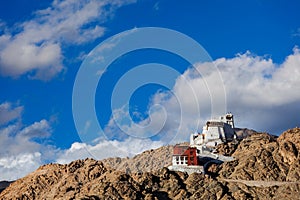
{"x":266,"y":167}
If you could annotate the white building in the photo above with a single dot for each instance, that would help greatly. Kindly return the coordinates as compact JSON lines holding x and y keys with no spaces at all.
{"x":214,"y":132}
{"x":196,"y":156}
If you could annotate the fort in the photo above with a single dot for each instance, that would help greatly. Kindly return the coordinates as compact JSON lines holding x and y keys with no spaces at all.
{"x":201,"y":151}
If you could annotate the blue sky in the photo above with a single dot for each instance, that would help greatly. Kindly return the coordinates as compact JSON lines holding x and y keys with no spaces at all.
{"x":252,"y":44}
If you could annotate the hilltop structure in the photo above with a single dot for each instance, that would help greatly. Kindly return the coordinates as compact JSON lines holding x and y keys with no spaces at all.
{"x":196,"y":156}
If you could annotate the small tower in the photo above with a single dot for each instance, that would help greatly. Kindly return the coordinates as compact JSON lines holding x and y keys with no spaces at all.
{"x":229,"y":119}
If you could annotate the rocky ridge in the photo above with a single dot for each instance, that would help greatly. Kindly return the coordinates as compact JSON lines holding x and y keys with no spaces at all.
{"x":266,"y":167}
{"x":147,"y":161}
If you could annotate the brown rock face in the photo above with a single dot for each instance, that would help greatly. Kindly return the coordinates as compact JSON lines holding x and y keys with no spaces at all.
{"x":264,"y":157}
{"x":147,"y":161}
{"x":243,"y":132}
{"x":289,"y":143}
{"x":266,"y":167}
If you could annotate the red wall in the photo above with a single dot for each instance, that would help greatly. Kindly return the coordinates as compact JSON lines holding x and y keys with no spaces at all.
{"x":192,"y":157}
{"x":190,"y":152}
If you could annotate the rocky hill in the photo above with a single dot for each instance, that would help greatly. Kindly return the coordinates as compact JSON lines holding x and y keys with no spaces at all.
{"x":266,"y":167}
{"x":147,"y":161}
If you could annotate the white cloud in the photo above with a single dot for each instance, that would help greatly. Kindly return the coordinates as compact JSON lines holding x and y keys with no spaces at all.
{"x":257,"y":89}
{"x":261,"y":94}
{"x":20,"y":154}
{"x":144,"y":129}
{"x":37,"y":47}
{"x":7,"y":113}
{"x":105,"y":149}
{"x":13,"y":167}
{"x":37,"y":129}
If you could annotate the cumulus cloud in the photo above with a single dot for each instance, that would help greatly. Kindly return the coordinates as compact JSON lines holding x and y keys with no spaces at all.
{"x":107,"y":148}
{"x":37,"y":129}
{"x":13,"y":167}
{"x":20,"y":154}
{"x":8,"y":114}
{"x":263,"y":95}
{"x":36,"y":47}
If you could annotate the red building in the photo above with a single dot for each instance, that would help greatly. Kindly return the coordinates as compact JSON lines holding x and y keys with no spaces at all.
{"x":184,"y":155}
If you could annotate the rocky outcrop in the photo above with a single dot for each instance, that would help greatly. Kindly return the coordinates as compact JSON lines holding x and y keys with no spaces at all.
{"x":266,"y":167}
{"x":90,"y":179}
{"x":147,"y":161}
{"x":243,"y":132}
{"x":265,"y":157}
{"x":4,"y":184}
